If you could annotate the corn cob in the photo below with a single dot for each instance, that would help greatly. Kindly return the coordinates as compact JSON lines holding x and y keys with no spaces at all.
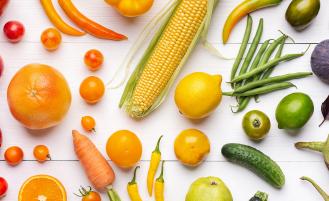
{"x":165,"y":55}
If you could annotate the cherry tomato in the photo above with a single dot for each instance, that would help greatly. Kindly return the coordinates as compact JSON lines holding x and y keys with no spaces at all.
{"x":88,"y":195}
{"x":0,"y":138}
{"x":1,"y":66}
{"x":51,"y":39}
{"x":124,"y":148}
{"x":256,"y":124}
{"x":92,"y":196}
{"x":94,"y":59}
{"x":14,"y":31}
{"x":14,"y":155}
{"x":41,"y":153}
{"x":92,"y":89}
{"x":88,"y":123}
{"x":3,"y":187}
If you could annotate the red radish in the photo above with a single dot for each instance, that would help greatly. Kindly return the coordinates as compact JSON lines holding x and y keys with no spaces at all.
{"x":14,"y":31}
{"x":3,"y":185}
{"x":3,"y":5}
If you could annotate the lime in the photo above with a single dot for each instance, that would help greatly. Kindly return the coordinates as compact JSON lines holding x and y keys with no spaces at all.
{"x":294,"y":111}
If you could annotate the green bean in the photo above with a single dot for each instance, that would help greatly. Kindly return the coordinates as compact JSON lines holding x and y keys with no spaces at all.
{"x":243,"y":103}
{"x":267,"y":89}
{"x":271,"y":49}
{"x":267,"y":73}
{"x":242,"y":48}
{"x":260,"y":54}
{"x":266,"y":66}
{"x":271,"y":80}
{"x":252,"y":48}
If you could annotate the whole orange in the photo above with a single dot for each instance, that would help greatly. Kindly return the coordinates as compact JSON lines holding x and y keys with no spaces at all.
{"x":38,"y":96}
{"x":191,"y":147}
{"x":124,"y":148}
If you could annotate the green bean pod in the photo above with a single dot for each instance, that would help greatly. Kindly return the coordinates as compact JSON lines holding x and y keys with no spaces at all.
{"x":243,"y":47}
{"x":267,"y":89}
{"x":252,"y":48}
{"x":244,"y":101}
{"x":266,"y":66}
{"x":267,"y":73}
{"x":271,"y":80}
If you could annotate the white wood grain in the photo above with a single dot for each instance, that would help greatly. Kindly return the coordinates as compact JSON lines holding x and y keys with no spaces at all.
{"x":222,"y":127}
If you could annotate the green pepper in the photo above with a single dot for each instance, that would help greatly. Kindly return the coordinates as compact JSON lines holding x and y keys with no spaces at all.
{"x":243,"y":9}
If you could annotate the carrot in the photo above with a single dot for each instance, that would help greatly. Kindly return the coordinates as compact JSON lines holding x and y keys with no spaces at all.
{"x":98,"y":170}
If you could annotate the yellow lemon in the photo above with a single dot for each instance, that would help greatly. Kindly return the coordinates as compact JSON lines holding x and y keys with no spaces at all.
{"x":197,"y":95}
{"x":191,"y":147}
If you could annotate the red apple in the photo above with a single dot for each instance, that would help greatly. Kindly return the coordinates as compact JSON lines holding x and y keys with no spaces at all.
{"x":3,"y":5}
{"x":14,"y":31}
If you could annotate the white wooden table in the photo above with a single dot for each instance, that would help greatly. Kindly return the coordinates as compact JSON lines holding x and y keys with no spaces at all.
{"x":222,"y":127}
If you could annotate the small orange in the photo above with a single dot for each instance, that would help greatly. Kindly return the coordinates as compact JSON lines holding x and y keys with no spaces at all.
{"x":42,"y":187}
{"x":92,"y":89}
{"x":191,"y":147}
{"x":124,"y":148}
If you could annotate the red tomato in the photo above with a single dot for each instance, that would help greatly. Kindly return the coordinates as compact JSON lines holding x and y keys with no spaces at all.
{"x":1,"y":65}
{"x":14,"y":31}
{"x":3,"y":185}
{"x":3,"y":5}
{"x":14,"y":155}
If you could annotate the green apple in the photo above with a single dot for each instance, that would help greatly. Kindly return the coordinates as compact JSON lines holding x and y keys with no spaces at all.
{"x":208,"y":189}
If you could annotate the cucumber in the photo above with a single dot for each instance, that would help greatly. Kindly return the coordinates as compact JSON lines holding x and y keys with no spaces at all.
{"x":256,"y":161}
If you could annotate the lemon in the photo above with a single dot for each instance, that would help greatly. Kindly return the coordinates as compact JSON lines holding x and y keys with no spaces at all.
{"x":197,"y":95}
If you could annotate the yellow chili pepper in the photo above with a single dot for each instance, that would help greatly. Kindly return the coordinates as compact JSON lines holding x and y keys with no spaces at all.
{"x":131,"y":8}
{"x":243,"y":9}
{"x":132,"y":188}
{"x":154,"y":164}
{"x":57,"y":20}
{"x":159,"y":186}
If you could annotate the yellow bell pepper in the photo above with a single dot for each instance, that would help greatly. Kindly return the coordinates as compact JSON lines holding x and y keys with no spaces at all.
{"x":131,"y":8}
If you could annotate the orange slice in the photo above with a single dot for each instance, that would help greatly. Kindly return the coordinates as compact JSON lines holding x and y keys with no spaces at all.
{"x":42,"y":188}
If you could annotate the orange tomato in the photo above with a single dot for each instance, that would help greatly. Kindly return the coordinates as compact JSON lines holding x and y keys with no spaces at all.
{"x":38,"y":96}
{"x":92,"y":196}
{"x":124,"y":148}
{"x":191,"y":147}
{"x":41,"y":153}
{"x":92,"y":89}
{"x":88,"y":123}
{"x":94,"y":59}
{"x":51,"y":39}
{"x":14,"y":155}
